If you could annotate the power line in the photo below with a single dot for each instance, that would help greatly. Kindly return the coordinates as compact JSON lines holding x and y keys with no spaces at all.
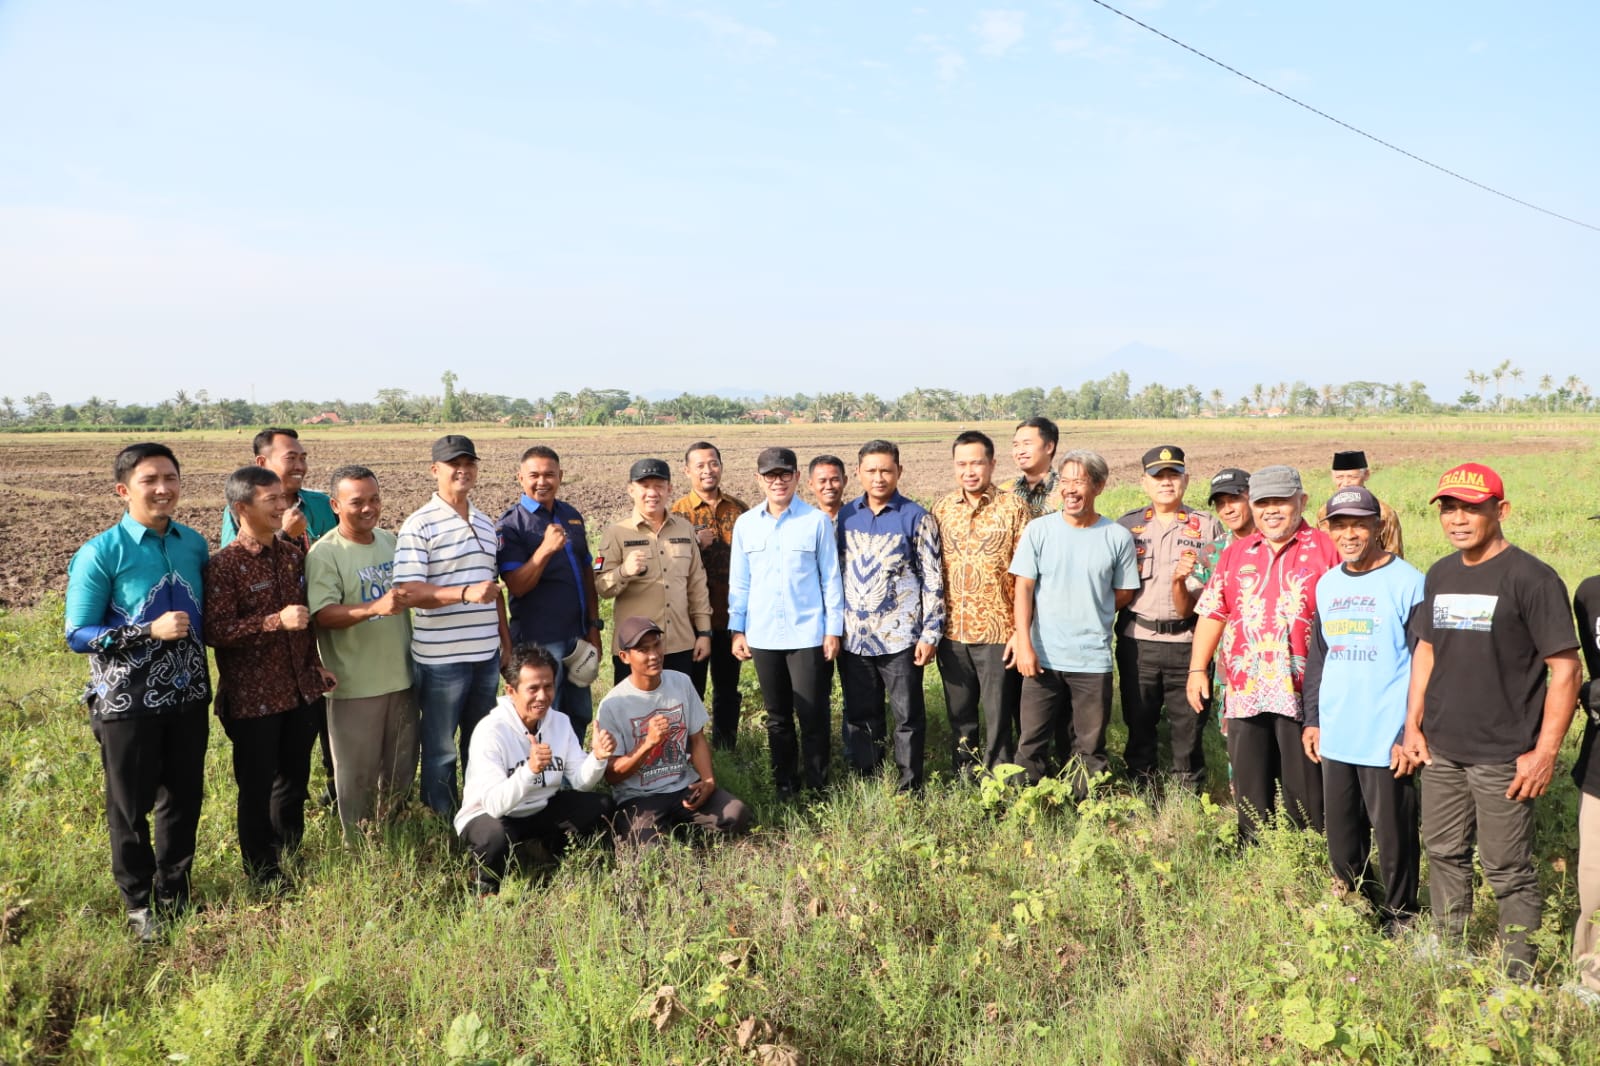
{"x":1340,"y":122}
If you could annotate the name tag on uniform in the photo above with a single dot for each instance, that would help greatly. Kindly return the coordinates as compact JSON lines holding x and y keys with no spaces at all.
{"x":680,"y":540}
{"x":636,"y":544}
{"x":261,"y":586}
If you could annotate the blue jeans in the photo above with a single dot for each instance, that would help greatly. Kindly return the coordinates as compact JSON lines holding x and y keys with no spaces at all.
{"x":574,"y":701}
{"x":451,"y":696}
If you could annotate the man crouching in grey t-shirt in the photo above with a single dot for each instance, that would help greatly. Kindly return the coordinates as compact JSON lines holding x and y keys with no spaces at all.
{"x":664,"y":781}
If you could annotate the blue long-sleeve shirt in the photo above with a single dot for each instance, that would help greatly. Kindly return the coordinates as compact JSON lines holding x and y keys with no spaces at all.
{"x":893,"y":577}
{"x":120,"y":582}
{"x":784,"y":588}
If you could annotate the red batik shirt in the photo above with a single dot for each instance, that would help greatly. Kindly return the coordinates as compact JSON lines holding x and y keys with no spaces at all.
{"x":1264,"y":598}
{"x":262,"y":668}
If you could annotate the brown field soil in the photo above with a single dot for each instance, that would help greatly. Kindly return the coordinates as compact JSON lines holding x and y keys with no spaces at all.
{"x":55,"y":489}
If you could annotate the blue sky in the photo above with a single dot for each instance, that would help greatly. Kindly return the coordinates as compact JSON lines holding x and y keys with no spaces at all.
{"x":300,"y":199}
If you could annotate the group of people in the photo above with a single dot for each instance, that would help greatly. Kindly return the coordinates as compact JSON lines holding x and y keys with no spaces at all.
{"x":1342,"y":676}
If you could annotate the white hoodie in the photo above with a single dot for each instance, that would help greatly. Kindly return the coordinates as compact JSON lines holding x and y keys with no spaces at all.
{"x":498,"y":781}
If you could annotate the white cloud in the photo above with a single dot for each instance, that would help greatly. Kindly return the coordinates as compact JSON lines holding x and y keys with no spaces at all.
{"x":947,"y":59}
{"x":733,"y":31}
{"x":999,"y":31}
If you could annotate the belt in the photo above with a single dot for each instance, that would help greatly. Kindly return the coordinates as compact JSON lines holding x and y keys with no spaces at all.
{"x":1180,"y":625}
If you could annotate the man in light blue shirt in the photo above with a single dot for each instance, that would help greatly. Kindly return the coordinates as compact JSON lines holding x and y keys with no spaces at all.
{"x":786,"y":612}
{"x":1075,"y":570}
{"x":1358,"y":677}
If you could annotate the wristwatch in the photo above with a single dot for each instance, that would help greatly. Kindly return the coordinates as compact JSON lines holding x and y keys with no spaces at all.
{"x":597,"y":623}
{"x":702,"y":633}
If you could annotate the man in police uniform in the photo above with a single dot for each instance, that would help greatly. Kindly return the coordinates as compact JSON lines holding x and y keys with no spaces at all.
{"x":1155,"y":633}
{"x":650,"y":564}
{"x":1350,"y":471}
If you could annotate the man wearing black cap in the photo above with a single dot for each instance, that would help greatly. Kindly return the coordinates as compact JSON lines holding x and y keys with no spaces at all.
{"x":661,"y":776}
{"x":1230,"y":502}
{"x":1156,"y":631}
{"x":786,"y":611}
{"x":1357,"y":676}
{"x":650,"y":564}
{"x":444,"y":559}
{"x":1349,"y":472}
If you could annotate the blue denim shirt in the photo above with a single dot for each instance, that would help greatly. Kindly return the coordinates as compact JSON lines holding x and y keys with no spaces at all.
{"x":120,"y":582}
{"x":784,"y":590}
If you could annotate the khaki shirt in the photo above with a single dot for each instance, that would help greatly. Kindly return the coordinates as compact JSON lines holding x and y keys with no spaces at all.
{"x":1388,"y":528}
{"x":1159,"y":547}
{"x":977,"y":542}
{"x":715,"y":556}
{"x":672,"y":590}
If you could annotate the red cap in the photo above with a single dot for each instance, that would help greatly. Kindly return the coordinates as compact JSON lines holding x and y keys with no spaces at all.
{"x":1471,"y":483}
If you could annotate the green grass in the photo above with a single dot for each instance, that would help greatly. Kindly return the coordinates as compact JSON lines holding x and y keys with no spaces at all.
{"x":968,"y":926}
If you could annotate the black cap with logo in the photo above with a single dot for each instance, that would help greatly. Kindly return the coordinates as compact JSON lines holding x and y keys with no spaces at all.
{"x":1163,"y":457}
{"x":643,"y":469}
{"x":1229,"y":481}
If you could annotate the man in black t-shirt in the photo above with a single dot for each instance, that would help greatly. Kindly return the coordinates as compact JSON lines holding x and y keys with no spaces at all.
{"x":1586,"y":937}
{"x":1494,"y":680}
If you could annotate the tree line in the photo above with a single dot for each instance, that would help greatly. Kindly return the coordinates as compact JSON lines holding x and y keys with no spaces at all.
{"x":1110,"y":397}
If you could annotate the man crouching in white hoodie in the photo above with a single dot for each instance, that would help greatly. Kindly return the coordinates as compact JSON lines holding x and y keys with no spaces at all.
{"x":522,"y":753}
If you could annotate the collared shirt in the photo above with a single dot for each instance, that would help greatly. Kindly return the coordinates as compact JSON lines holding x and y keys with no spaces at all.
{"x":977,"y":540}
{"x":118,"y":583}
{"x":437,"y":546}
{"x":893,"y":576}
{"x":1266,"y":600}
{"x":672,"y":590}
{"x":320,"y":520}
{"x":262,"y":668}
{"x":715,"y":556}
{"x":555,"y":609}
{"x":784,"y":588}
{"x":1389,"y":535}
{"x":1159,"y":547}
{"x":1040,"y":499}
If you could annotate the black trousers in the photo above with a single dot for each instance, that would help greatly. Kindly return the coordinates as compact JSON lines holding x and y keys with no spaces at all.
{"x":723,"y":670}
{"x":795,"y":685}
{"x":974,"y":675}
{"x":568,"y":815}
{"x":1264,"y":751}
{"x":681,"y":661}
{"x":153,"y":763}
{"x":1361,"y":802}
{"x":1152,"y":674}
{"x":326,"y":745}
{"x":643,"y":821}
{"x":1078,"y":705}
{"x":868,"y":679}
{"x":272,"y":765}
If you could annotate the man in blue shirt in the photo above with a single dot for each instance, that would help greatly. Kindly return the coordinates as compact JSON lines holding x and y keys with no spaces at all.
{"x":1075,"y":570}
{"x":545,"y":563}
{"x":786,"y":611}
{"x":894,"y":615}
{"x":1358,"y":674}
{"x":133,"y":606}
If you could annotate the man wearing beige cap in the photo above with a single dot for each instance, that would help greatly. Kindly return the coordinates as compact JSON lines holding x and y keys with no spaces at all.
{"x":1258,"y":608}
{"x":1494,"y":682}
{"x":650,"y":564}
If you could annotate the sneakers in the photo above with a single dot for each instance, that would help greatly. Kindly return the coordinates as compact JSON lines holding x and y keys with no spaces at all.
{"x":145,"y":926}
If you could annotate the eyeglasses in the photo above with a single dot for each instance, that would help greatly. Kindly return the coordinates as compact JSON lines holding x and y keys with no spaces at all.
{"x":778,"y":475}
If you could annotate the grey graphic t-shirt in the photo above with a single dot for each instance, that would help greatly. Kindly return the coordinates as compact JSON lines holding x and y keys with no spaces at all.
{"x":625,"y":713}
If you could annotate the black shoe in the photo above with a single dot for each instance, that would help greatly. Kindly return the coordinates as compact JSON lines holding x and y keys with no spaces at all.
{"x":174,"y":908}
{"x":145,"y":925}
{"x":274,"y":884}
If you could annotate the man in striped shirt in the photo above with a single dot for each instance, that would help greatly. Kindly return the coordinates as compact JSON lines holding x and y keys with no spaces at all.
{"x":444,"y":559}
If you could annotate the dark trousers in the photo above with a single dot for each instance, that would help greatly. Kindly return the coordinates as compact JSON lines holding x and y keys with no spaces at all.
{"x":723,"y":670}
{"x":1078,"y":705}
{"x":867,"y":680}
{"x":1463,"y":804}
{"x":642,"y":822}
{"x":1152,"y":674}
{"x":681,"y":661}
{"x":326,"y":744}
{"x":153,"y":763}
{"x":795,"y":685}
{"x":272,"y":765}
{"x":974,"y":675}
{"x":568,"y":815}
{"x":1264,"y":751}
{"x":1362,"y":802}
